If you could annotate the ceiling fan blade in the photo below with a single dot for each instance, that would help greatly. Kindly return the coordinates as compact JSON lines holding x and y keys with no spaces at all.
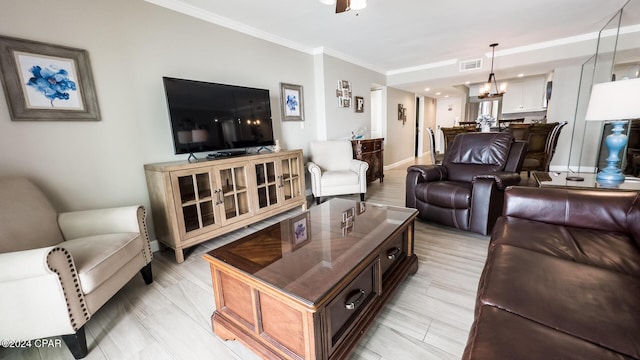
{"x":342,"y":6}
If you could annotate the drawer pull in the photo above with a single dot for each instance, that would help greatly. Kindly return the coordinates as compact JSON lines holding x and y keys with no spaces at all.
{"x":392,"y":254}
{"x":350,"y":305}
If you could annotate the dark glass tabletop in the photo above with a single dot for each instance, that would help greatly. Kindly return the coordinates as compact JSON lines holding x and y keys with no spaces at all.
{"x":307,"y":254}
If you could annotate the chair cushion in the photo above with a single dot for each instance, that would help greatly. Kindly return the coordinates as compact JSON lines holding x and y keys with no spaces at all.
{"x":446,"y":194}
{"x":27,"y":219}
{"x":337,"y":178}
{"x":99,"y":257}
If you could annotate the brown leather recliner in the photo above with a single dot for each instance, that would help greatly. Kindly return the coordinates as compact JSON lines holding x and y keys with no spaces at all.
{"x":467,"y":190}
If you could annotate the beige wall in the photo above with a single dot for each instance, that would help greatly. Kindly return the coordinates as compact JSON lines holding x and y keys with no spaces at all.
{"x":340,"y":122}
{"x":132,"y":44}
{"x":400,"y":138}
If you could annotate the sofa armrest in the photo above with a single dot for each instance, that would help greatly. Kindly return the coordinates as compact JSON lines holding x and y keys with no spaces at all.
{"x":502,"y":179}
{"x":592,"y":209}
{"x":102,"y":221}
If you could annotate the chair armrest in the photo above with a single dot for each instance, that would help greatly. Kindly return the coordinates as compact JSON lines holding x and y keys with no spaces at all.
{"x":24,"y":264}
{"x":41,"y":294}
{"x":502,"y":179}
{"x":359,"y":167}
{"x":314,"y":169}
{"x":79,"y":224}
{"x":316,"y":175}
{"x":418,"y":174}
{"x":426,"y":173}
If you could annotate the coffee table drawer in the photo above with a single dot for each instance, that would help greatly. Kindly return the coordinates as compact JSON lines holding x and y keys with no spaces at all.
{"x":345,"y":308}
{"x":391,"y":254}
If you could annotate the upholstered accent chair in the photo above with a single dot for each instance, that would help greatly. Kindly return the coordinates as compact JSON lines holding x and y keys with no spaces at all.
{"x":57,"y":270}
{"x":334,"y":171}
{"x":467,"y":190}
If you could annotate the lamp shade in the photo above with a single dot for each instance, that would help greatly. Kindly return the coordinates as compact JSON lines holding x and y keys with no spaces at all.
{"x":616,"y":100}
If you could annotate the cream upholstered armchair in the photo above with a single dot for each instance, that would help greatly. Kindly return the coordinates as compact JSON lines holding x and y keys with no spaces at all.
{"x":334,"y":171}
{"x":57,"y":270}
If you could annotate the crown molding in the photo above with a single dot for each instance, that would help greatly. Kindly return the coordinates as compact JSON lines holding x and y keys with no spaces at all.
{"x":196,"y":12}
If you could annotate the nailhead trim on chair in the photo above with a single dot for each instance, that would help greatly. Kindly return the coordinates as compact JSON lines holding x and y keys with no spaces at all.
{"x":76,"y":284}
{"x":143,"y":221}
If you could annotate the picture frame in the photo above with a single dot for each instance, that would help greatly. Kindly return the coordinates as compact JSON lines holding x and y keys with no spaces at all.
{"x":291,"y":102}
{"x":402,"y":113}
{"x":359,"y":104}
{"x":45,"y":82}
{"x":343,"y":92}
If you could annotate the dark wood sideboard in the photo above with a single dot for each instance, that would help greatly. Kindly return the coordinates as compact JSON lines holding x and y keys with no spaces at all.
{"x":370,"y":151}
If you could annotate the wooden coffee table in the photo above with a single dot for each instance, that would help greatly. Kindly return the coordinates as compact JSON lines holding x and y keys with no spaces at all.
{"x":309,"y":286}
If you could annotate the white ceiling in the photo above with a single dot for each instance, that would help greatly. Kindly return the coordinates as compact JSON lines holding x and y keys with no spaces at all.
{"x":396,"y":36}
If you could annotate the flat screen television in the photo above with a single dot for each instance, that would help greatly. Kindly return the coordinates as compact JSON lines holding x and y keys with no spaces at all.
{"x":217,"y":117}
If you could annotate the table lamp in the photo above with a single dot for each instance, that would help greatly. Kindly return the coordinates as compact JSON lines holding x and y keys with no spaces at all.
{"x":618,"y":102}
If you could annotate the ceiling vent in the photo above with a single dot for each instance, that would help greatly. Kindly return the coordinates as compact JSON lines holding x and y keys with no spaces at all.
{"x":470,"y":65}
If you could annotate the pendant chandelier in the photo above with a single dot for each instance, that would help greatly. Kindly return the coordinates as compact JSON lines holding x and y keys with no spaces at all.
{"x":491,"y":89}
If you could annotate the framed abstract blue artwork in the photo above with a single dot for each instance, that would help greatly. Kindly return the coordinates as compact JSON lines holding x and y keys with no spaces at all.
{"x":47,"y":82}
{"x":291,"y":102}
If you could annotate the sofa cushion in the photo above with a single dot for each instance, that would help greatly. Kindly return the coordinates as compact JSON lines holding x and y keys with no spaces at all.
{"x":587,"y":302}
{"x":99,"y":257}
{"x":499,"y":334}
{"x":607,"y":250}
{"x":445,"y":194}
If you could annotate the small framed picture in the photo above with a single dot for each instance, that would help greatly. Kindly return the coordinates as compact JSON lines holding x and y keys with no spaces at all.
{"x":344,"y":102}
{"x":359,"y":104}
{"x":47,"y":82}
{"x":292,"y":103}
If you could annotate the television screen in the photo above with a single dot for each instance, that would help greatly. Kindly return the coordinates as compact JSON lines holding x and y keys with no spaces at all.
{"x":211,"y":117}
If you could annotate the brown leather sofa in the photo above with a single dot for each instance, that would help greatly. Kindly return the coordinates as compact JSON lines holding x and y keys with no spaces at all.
{"x":562,"y":278}
{"x":466,"y":190}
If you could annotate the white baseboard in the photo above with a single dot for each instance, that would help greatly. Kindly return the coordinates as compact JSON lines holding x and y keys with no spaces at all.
{"x":387,"y":167}
{"x":155,"y":245}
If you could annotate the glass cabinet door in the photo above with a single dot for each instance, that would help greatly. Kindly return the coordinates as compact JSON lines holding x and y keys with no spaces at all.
{"x":290,"y":178}
{"x":266,"y":184}
{"x":194,"y":201}
{"x":233,"y":192}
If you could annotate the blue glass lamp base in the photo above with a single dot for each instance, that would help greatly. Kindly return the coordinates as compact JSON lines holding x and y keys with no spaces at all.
{"x":611,"y":175}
